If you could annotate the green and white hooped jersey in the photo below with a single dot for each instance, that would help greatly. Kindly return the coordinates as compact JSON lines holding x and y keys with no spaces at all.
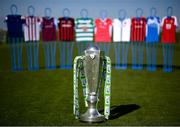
{"x":84,"y":29}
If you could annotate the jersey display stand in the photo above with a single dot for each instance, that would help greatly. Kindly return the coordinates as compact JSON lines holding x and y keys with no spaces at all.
{"x":138,"y":31}
{"x":121,"y":38}
{"x":66,"y":37}
{"x":104,"y":46}
{"x":32,"y":36}
{"x":121,"y":54}
{"x":15,"y":38}
{"x":84,"y":31}
{"x":169,"y":24}
{"x":168,"y":50}
{"x":49,"y":39}
{"x":152,"y":39}
{"x":16,"y":46}
{"x":103,"y":32}
{"x":66,"y":52}
{"x":151,"y":54}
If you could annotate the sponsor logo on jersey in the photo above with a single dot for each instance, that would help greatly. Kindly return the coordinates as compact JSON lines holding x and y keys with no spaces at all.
{"x":138,"y":26}
{"x":66,"y":25}
{"x":168,"y":26}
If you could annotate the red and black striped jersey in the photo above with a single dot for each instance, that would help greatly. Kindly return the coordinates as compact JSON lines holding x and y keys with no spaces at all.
{"x":66,"y":29}
{"x":138,"y":29}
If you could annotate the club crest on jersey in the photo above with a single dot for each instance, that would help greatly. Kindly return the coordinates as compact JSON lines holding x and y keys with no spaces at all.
{"x":105,"y":23}
{"x":124,"y":24}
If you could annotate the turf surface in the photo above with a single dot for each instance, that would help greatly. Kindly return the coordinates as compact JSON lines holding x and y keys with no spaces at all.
{"x":45,"y":97}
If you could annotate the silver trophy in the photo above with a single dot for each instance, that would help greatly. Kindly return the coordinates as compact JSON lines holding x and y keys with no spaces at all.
{"x":93,"y":69}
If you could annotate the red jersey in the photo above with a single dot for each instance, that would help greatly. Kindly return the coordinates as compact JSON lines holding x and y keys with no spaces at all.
{"x":48,"y":29}
{"x":103,"y":30}
{"x":138,"y":29}
{"x":169,"y":29}
{"x":66,"y":29}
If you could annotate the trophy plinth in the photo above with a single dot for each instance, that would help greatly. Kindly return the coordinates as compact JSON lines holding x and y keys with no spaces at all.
{"x":92,"y":114}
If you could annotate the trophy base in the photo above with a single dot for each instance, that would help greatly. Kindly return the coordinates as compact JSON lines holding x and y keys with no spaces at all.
{"x":92,"y":116}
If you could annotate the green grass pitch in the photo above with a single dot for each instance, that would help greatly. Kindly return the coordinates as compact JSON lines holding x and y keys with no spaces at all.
{"x":45,"y":97}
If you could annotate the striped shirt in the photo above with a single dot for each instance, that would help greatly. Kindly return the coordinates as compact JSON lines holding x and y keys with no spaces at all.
{"x":32,"y":28}
{"x":66,"y":29}
{"x":138,"y":29}
{"x":84,"y":29}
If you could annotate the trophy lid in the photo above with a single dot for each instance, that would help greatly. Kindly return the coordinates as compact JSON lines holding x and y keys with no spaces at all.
{"x":92,"y":48}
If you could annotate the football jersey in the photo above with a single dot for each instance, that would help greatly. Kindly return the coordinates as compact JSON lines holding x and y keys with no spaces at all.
{"x":32,"y":28}
{"x":103,"y":30}
{"x":152,"y":29}
{"x":48,"y":29}
{"x":121,"y":30}
{"x":138,"y":29}
{"x":84,"y":29}
{"x":66,"y":29}
{"x":15,"y":26}
{"x":169,"y":29}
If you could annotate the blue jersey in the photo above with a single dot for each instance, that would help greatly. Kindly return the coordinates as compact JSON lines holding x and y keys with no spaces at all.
{"x":14,"y":26}
{"x":152,"y":29}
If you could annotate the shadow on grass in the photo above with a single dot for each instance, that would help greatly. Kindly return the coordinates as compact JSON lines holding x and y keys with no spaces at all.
{"x":120,"y":110}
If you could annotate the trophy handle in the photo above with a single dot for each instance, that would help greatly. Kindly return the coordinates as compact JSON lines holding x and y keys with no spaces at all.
{"x":83,"y":80}
{"x":107,"y":89}
{"x":76,"y":70}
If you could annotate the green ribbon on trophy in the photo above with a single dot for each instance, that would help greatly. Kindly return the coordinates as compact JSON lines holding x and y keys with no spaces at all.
{"x":107,"y":89}
{"x":79,"y":73}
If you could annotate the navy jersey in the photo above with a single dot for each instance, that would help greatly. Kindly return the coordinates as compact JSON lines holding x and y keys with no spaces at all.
{"x":14,"y":26}
{"x":152,"y":29}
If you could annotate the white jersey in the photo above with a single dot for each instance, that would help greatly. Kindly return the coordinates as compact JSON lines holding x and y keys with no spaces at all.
{"x":121,"y":30}
{"x":32,"y":28}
